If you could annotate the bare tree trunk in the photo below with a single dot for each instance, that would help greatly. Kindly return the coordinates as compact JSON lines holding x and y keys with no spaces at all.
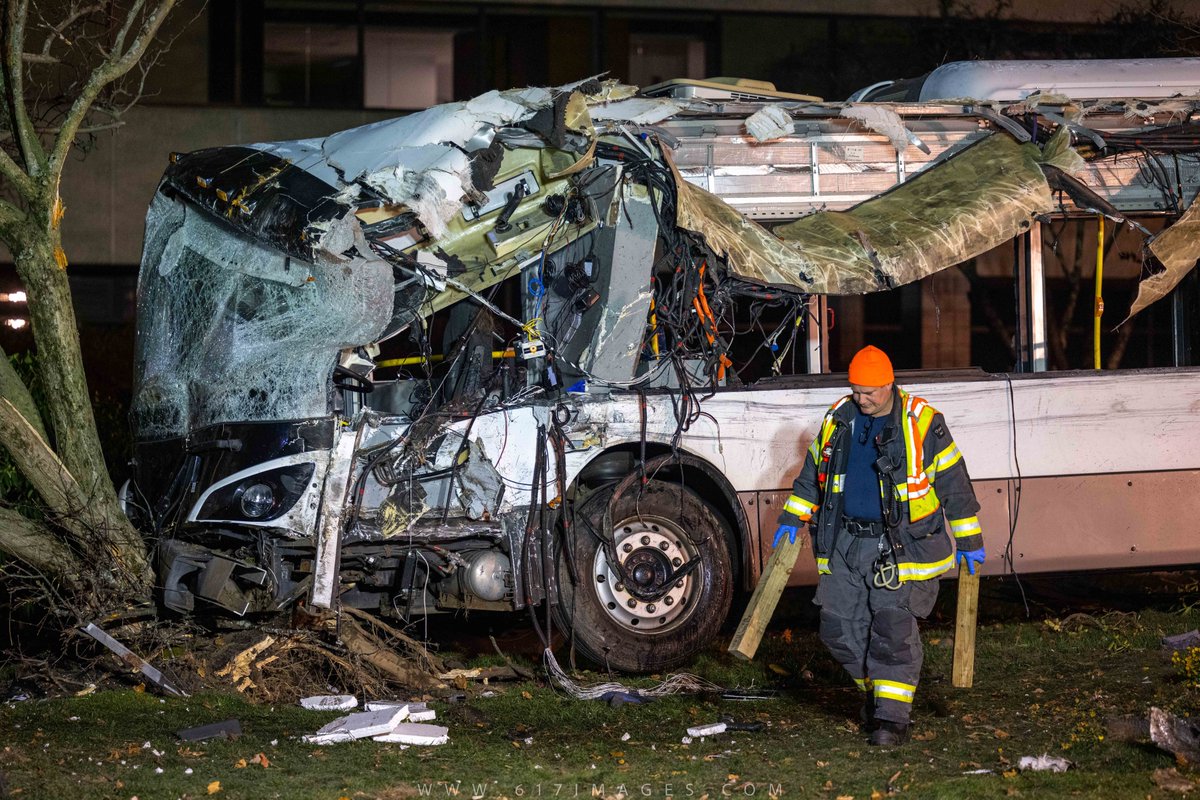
{"x":99,"y":44}
{"x":42,"y":270}
{"x":100,"y":535}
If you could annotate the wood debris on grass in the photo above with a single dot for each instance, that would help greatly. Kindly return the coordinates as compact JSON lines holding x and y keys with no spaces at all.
{"x":354,"y":651}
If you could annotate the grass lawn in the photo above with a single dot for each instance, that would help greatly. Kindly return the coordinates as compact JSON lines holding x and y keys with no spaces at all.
{"x":1042,"y":685}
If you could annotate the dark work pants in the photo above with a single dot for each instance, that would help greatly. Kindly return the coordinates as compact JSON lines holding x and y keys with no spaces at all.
{"x":872,"y":632}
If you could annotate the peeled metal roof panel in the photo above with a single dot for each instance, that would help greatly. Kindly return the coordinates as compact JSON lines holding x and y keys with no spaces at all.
{"x":973,"y":202}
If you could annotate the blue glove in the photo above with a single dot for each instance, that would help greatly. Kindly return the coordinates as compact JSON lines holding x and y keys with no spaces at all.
{"x":971,"y":558}
{"x":785,"y":530}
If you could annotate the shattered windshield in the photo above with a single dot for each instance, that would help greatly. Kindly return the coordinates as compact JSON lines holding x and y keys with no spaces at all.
{"x":233,"y":330}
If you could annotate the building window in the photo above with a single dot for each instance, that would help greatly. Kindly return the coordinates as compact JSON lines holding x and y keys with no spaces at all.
{"x":654,"y":58}
{"x":408,"y":69}
{"x":311,"y":65}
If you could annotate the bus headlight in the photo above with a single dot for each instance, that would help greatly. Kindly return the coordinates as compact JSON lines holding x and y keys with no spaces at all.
{"x":260,"y":497}
{"x":258,"y":500}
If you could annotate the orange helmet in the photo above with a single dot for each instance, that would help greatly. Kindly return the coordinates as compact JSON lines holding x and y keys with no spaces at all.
{"x":871,"y":367}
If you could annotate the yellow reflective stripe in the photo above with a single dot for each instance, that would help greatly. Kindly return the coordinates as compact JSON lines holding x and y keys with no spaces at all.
{"x":910,"y":570}
{"x":823,"y":566}
{"x":947,"y":458}
{"x":967,"y":526}
{"x":799,"y":506}
{"x":894,"y":690}
{"x":837,"y":484}
{"x":863,"y":683}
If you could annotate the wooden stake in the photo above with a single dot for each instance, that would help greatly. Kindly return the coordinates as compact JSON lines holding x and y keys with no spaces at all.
{"x":964,"y":628}
{"x":766,"y":596}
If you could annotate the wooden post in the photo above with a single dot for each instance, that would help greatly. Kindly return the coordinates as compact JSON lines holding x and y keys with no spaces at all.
{"x":766,"y":596}
{"x":964,"y":628}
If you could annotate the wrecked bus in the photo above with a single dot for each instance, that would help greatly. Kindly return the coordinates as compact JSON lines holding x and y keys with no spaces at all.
{"x":490,"y":356}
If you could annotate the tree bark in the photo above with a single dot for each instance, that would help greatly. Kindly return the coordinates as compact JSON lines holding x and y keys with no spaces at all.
{"x":56,"y":336}
{"x":37,"y":546}
{"x":14,"y":390}
{"x":102,"y":538}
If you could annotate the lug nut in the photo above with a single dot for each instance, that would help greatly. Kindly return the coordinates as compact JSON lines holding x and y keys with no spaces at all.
{"x":675,"y":562}
{"x":650,"y":608}
{"x":626,"y":548}
{"x":663,"y":545}
{"x":620,"y":587}
{"x":631,"y":603}
{"x":669,"y":600}
{"x":679,"y":583}
{"x":645,"y":540}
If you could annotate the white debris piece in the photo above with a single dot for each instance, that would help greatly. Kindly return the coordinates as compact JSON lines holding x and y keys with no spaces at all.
{"x":358,"y":726}
{"x":330,"y":702}
{"x":637,"y":110}
{"x":412,"y":733}
{"x":381,"y":705}
{"x":711,"y":729}
{"x":770,"y":122}
{"x":327,"y":738}
{"x":625,"y":737}
{"x":424,"y":715}
{"x":883,"y":119}
{"x":1043,"y":763}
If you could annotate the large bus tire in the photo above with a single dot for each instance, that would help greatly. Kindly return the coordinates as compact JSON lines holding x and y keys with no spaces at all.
{"x":655,"y":531}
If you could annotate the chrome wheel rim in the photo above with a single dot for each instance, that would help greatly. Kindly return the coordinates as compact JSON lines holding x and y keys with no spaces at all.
{"x":649,"y":549}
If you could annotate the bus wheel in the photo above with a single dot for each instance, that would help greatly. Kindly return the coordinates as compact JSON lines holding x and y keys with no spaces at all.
{"x":644,"y":617}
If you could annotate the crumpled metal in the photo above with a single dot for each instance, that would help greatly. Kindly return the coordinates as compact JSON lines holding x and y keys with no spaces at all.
{"x":975,"y":201}
{"x":1178,"y":248}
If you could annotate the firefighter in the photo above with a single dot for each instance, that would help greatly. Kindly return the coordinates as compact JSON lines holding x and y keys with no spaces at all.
{"x":878,"y":482}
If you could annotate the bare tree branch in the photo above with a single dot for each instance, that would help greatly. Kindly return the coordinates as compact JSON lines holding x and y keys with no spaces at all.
{"x":11,"y":171}
{"x":113,"y":68}
{"x":34,"y":158}
{"x":130,"y":18}
{"x":58,"y":32}
{"x":82,"y":131}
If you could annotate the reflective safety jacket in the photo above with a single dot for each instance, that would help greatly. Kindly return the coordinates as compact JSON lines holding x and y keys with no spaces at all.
{"x":928,"y":478}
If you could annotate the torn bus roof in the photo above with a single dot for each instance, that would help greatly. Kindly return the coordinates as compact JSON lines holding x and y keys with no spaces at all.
{"x":463,"y":192}
{"x":425,"y":163}
{"x":980,"y":198}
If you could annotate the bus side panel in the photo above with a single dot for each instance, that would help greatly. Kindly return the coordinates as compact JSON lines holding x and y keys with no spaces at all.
{"x":1088,"y":522}
{"x":1062,"y":523}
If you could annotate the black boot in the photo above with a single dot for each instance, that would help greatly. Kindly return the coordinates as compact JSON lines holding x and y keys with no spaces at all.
{"x":866,"y":714}
{"x":889,"y":734}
